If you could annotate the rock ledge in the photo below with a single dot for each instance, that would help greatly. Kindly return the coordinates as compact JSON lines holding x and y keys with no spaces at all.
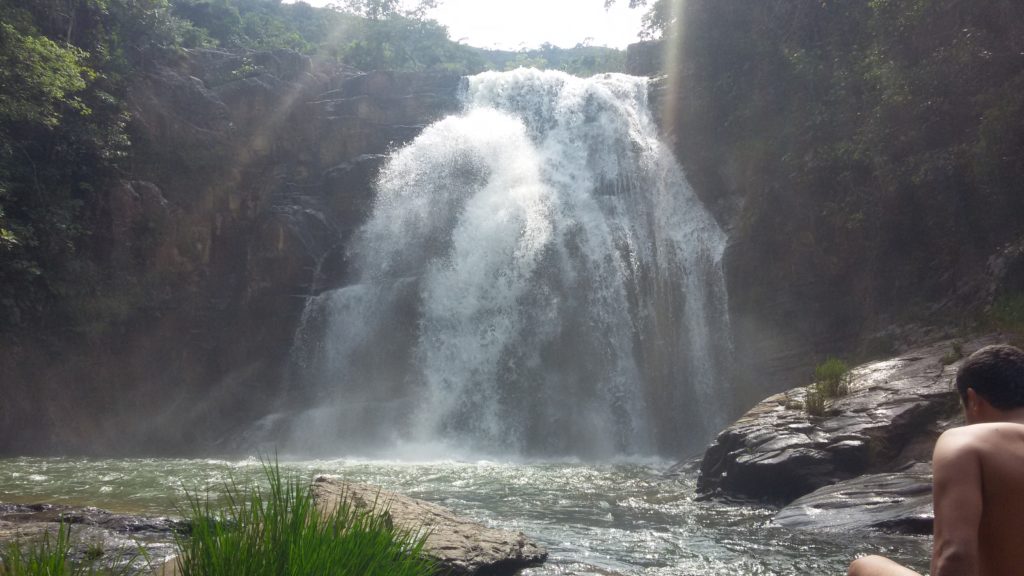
{"x":460,"y":545}
{"x":890,"y":419}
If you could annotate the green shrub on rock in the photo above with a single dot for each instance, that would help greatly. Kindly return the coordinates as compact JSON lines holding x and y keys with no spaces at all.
{"x":831,"y":380}
{"x":814,"y":402}
{"x":831,"y":375}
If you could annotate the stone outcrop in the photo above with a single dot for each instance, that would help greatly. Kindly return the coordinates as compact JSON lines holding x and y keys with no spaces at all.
{"x":899,"y":502}
{"x":102,"y":535}
{"x":459,"y":545}
{"x":891,"y":417}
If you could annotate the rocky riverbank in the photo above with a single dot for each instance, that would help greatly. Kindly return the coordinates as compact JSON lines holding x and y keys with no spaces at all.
{"x":459,"y":545}
{"x":864,"y":463}
{"x":95,"y":534}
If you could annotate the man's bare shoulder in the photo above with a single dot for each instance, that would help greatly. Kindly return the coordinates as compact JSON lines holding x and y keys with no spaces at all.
{"x":976,"y":439}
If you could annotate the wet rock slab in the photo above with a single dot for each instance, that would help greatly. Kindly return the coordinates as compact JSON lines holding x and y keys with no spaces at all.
{"x":460,"y":545}
{"x":891,"y":418}
{"x":117,"y":536}
{"x":897,"y":502}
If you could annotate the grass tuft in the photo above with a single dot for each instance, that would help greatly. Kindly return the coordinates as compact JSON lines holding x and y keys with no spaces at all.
{"x":47,"y":557}
{"x":832,"y":376}
{"x":831,"y":380}
{"x":814,"y":402}
{"x":278,"y":531}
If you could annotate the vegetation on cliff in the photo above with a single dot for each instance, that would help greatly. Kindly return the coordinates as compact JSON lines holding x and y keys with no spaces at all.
{"x":65,"y":124}
{"x":867,"y":157}
{"x":62,"y":132}
{"x":173,"y":173}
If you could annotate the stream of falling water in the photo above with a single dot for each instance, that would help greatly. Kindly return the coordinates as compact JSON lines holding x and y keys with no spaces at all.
{"x":537,"y":278}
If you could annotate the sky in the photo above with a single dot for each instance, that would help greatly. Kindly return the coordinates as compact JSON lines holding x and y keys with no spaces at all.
{"x":515,"y":24}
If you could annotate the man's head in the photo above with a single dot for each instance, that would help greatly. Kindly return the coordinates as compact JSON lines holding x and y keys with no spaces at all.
{"x":995,"y":374}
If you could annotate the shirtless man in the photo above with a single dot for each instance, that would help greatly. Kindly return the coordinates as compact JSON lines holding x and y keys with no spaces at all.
{"x":978,"y":482}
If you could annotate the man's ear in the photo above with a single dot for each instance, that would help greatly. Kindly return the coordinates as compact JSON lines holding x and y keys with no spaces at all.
{"x":978,"y":408}
{"x":972,"y":404}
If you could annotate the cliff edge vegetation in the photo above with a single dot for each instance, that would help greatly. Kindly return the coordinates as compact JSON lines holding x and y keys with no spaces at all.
{"x":867,"y":158}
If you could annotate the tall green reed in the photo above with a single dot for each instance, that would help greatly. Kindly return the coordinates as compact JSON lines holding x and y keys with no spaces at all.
{"x":277,"y":530}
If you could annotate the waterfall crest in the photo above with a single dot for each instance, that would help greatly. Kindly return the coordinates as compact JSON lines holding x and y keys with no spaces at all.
{"x":537,"y":278}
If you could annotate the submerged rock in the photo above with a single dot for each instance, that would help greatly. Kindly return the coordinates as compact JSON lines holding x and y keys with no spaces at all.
{"x":891,"y":417}
{"x":461,"y":546}
{"x":899,"y":502}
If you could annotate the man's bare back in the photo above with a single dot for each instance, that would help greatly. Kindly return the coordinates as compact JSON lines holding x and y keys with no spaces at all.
{"x":978,"y":484}
{"x":979,"y":500}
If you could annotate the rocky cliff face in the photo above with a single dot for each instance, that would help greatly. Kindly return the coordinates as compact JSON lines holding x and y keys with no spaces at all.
{"x":249,"y":173}
{"x":869,"y":197}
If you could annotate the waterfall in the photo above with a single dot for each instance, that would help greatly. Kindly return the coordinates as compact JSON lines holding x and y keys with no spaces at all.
{"x":537,"y":278}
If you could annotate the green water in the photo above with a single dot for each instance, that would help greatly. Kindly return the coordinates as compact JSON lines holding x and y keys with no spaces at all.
{"x":625,"y":518}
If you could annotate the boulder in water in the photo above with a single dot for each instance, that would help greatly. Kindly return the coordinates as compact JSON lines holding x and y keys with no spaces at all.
{"x":893,"y":414}
{"x":459,"y":545}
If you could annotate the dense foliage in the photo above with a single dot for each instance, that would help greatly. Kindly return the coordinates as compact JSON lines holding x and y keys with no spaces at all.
{"x":65,"y":69}
{"x":877,"y":146}
{"x":62,"y":132}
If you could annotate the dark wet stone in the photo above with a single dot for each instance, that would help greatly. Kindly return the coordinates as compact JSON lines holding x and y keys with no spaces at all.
{"x":897,"y":502}
{"x":117,"y":536}
{"x":89,"y":516}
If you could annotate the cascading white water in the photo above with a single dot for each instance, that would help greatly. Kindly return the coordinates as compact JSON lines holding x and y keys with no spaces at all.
{"x":537,"y":278}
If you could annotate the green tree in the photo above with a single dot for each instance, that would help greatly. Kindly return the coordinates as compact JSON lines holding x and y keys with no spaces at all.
{"x":658,"y":19}
{"x":39,"y":81}
{"x":39,"y":77}
{"x":382,"y":9}
{"x":63,"y":70}
{"x":220,"y":18}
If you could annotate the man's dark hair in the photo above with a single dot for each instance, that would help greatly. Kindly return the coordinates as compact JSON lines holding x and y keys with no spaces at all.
{"x":996,"y":373}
